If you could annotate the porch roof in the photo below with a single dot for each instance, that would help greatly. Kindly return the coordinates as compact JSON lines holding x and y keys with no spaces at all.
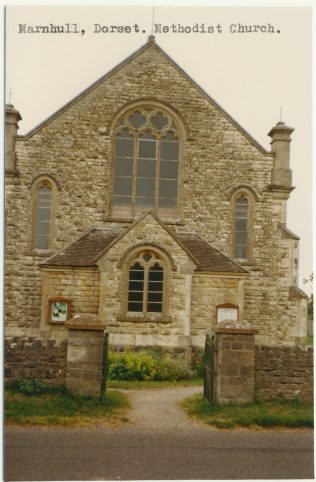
{"x":85,"y":251}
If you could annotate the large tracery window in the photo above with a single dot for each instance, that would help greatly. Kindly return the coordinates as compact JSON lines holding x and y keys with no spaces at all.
{"x":146,"y":284}
{"x":146,"y":163}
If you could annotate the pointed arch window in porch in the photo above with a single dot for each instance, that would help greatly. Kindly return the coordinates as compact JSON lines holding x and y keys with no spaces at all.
{"x":145,"y":285}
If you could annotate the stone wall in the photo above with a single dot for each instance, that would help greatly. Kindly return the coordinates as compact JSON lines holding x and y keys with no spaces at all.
{"x":35,"y":358}
{"x":207,"y":292}
{"x":80,"y":286}
{"x":283,"y":373}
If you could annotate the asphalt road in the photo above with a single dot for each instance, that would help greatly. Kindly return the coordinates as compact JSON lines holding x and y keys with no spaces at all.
{"x":129,"y":454}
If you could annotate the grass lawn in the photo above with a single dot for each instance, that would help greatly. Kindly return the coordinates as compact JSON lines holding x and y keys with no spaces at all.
{"x":135,"y":384}
{"x":264,"y":414}
{"x":61,"y":408}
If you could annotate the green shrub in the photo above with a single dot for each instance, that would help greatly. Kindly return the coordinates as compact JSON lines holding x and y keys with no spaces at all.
{"x":198,"y":363}
{"x":30,"y":386}
{"x":145,"y":366}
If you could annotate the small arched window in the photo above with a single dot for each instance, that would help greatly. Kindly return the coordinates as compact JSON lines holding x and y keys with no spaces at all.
{"x":146,"y":284}
{"x":44,"y":200}
{"x":146,"y":163}
{"x":243,"y":201}
{"x":43,"y":217}
{"x":241,"y":227}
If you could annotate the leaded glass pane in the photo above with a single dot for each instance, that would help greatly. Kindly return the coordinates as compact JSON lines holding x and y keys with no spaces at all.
{"x":155,"y":286}
{"x":169,"y":150}
{"x":145,"y":187}
{"x":159,"y":121}
{"x":147,"y":149}
{"x":155,"y":297}
{"x":123,"y":186}
{"x":241,"y":237}
{"x":167,"y":202}
{"x":169,"y":169}
{"x":136,"y":285}
{"x":42,"y":242}
{"x":241,"y":252}
{"x":124,"y":148}
{"x":135,"y":296}
{"x":146,"y":168}
{"x":43,"y":213}
{"x":154,"y":307}
{"x":241,"y":224}
{"x":168,"y":188}
{"x":145,"y":201}
{"x":123,"y":167}
{"x":136,"y":119}
{"x":155,"y":273}
{"x":122,"y":200}
{"x":136,"y":272}
{"x":134,"y":306}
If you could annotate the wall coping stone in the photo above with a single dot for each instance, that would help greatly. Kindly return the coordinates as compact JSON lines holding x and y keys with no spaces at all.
{"x":236,"y":327}
{"x":85,"y":321}
{"x":238,"y":331}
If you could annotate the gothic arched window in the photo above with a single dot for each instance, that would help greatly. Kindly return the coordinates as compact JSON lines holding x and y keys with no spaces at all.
{"x":243,"y":203}
{"x":146,"y":284}
{"x":241,"y":227}
{"x":44,"y":199}
{"x":146,"y":163}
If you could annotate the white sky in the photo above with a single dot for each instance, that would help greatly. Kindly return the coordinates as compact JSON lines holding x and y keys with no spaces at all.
{"x":250,"y":75}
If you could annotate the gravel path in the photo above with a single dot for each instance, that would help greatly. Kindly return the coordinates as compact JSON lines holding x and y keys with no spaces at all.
{"x":158,"y":410}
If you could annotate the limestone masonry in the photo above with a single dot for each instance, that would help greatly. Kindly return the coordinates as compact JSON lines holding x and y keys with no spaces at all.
{"x":145,"y":204}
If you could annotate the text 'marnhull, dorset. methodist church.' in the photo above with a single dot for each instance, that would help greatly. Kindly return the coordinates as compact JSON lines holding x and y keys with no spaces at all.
{"x":143,"y":202}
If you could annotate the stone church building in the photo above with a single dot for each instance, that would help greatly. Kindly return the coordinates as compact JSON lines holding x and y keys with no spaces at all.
{"x":144,"y":203}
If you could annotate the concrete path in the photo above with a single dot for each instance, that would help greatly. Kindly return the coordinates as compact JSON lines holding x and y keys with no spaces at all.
{"x":159,"y":410}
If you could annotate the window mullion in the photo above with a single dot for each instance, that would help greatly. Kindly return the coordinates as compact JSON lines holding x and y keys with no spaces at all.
{"x":146,"y":276}
{"x":157,"y":176}
{"x":135,"y":161}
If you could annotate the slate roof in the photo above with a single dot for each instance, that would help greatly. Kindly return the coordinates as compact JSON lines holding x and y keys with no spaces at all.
{"x":208,"y":258}
{"x":85,"y":251}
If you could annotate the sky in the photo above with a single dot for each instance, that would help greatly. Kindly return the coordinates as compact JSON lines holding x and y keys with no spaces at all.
{"x":257,"y":77}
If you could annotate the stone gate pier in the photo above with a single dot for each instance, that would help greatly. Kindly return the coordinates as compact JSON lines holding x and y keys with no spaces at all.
{"x":85,"y":354}
{"x":234,"y":362}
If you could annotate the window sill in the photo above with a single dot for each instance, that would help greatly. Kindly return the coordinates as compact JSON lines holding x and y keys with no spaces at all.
{"x":245,"y":261}
{"x":147,"y":318}
{"x":41,"y":253}
{"x":168,"y":221}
